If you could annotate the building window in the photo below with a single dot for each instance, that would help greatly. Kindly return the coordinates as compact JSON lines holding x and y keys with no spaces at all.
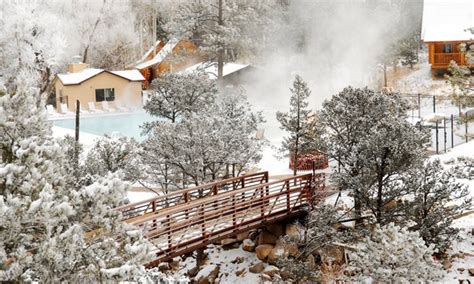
{"x":104,"y":95}
{"x":448,"y":48}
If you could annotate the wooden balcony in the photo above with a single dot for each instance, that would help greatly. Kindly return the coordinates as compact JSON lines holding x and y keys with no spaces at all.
{"x":441,"y":60}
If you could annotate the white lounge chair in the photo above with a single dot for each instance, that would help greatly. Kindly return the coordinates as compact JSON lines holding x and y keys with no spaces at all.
{"x":92,"y":107}
{"x":106,"y":107}
{"x":51,"y":110}
{"x":120,"y":107}
{"x":65,"y":110}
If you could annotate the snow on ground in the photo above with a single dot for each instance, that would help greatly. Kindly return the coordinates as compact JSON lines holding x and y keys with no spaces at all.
{"x":421,"y":81}
{"x":86,"y":139}
{"x":230,"y":262}
{"x":463,"y":248}
{"x":136,"y":196}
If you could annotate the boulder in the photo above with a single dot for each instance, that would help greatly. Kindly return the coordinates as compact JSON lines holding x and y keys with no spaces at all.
{"x":271,"y":270}
{"x":333,"y":254}
{"x":229,"y":241}
{"x":471,"y":271}
{"x":292,"y":250}
{"x":240,"y":272}
{"x":208,"y":274}
{"x":242,"y":236}
{"x":164,"y":266}
{"x":276,"y":253}
{"x":248,"y":245}
{"x":294,"y":230}
{"x":257,"y":267}
{"x":266,"y":237}
{"x":263,"y":251}
{"x":276,"y":229}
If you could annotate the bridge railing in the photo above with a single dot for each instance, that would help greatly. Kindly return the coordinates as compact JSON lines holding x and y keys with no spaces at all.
{"x":185,"y":227}
{"x":151,"y":205}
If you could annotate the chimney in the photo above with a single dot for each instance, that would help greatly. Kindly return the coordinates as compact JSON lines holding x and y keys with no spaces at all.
{"x":76,"y":65}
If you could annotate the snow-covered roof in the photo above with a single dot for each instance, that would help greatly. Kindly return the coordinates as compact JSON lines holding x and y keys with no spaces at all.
{"x":78,"y":77}
{"x":81,"y":76}
{"x":445,"y":20}
{"x":132,"y":75}
{"x":160,"y":56}
{"x":211,"y":69}
{"x":145,"y":56}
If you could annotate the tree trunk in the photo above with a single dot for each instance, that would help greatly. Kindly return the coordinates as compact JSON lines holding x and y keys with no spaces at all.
{"x":220,"y":52}
{"x":385,"y":75}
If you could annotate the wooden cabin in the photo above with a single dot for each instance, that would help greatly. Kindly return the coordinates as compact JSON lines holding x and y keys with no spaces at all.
{"x":445,"y":26}
{"x":173,"y":56}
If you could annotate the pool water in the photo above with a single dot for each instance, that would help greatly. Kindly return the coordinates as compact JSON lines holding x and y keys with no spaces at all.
{"x":128,"y":124}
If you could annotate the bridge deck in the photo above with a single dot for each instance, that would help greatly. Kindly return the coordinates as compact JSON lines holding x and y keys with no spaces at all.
{"x":187,"y":226}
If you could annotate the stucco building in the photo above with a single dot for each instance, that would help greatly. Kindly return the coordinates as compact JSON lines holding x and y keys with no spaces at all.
{"x":97,"y":85}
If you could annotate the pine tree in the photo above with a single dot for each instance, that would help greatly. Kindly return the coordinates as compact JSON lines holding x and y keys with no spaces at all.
{"x":438,"y":199}
{"x":222,"y":28}
{"x":51,"y":228}
{"x":395,"y":255}
{"x":300,"y":122}
{"x":176,"y":95}
{"x":371,"y":139}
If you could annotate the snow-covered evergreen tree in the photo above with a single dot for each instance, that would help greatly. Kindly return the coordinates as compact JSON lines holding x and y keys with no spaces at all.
{"x":176,"y":94}
{"x":300,"y":122}
{"x":203,"y":145}
{"x":370,"y":137}
{"x":109,"y":155}
{"x":438,"y":199}
{"x":51,"y":229}
{"x":222,"y":29}
{"x":395,"y":255}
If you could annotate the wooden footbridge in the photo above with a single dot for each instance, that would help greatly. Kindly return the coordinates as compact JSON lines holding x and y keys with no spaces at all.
{"x":183,"y":221}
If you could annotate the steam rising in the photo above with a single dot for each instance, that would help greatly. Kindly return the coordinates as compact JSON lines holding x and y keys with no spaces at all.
{"x":331,"y":44}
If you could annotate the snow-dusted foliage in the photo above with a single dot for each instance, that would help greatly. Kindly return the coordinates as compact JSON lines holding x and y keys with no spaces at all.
{"x":438,"y":198}
{"x":36,"y":51}
{"x":223,"y":29}
{"x":395,"y":255}
{"x":177,"y":94}
{"x":52,"y":230}
{"x":371,"y":139}
{"x":202,"y":146}
{"x":109,"y":155}
{"x":300,"y":122}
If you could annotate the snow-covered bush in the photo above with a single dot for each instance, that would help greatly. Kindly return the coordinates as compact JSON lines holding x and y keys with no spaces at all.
{"x":395,"y":255}
{"x":111,"y":155}
{"x":438,"y":198}
{"x":51,"y":228}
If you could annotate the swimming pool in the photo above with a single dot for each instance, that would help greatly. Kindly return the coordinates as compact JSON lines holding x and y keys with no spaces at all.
{"x":127,"y":124}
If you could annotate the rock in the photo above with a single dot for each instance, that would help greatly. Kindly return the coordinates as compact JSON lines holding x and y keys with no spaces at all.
{"x":257,"y":267}
{"x":271,"y":270}
{"x":294,"y":230}
{"x":285,"y":274}
{"x":311,"y":263}
{"x":242,"y":236}
{"x":292,"y":250}
{"x":461,"y":269}
{"x":248,"y":245}
{"x":266,"y":238}
{"x":163,"y":266}
{"x":446,"y":264}
{"x":472,"y":231}
{"x":229,"y":241}
{"x":265,"y":278}
{"x":208,"y":274}
{"x":238,"y":259}
{"x":240,"y":272}
{"x":276,"y":253}
{"x":193,"y":271}
{"x":471,"y":271}
{"x":263,"y":251}
{"x":333,"y":254}
{"x":276,"y":229}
